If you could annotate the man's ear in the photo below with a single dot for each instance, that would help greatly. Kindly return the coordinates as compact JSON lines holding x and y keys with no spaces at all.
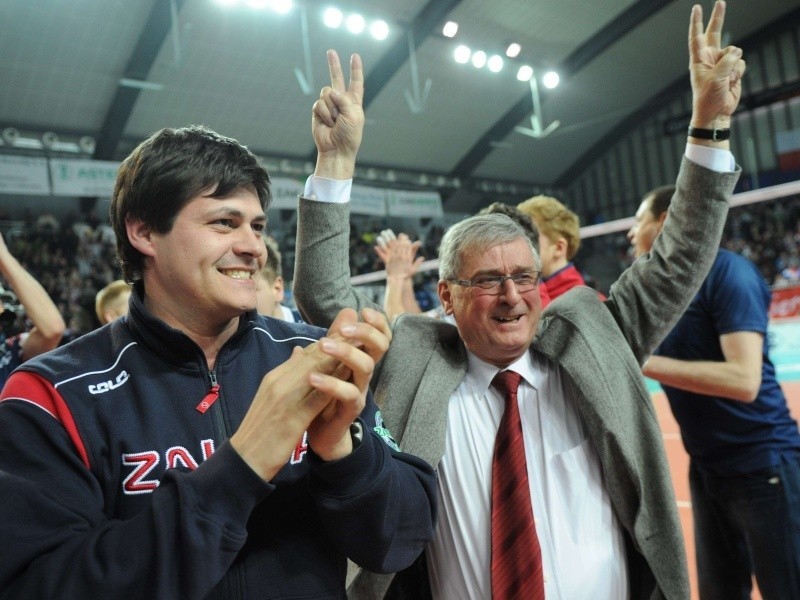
{"x":445,"y":296}
{"x":661,"y":218}
{"x":139,"y":235}
{"x":278,"y":289}
{"x":561,"y":247}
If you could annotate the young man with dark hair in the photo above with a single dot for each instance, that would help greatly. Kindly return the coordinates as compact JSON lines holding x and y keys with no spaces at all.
{"x":196,"y":449}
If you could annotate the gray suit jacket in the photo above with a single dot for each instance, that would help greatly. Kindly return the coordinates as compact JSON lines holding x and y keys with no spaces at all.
{"x":599,"y":344}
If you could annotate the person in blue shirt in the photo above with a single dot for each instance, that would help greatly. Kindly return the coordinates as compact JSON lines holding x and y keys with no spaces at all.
{"x":743,"y":444}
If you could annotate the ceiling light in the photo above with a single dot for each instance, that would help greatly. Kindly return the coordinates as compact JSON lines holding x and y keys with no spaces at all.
{"x":513,"y":50}
{"x":379,"y":30}
{"x":49,"y":139}
{"x":479,"y":59}
{"x":525,"y":73}
{"x":550,"y":80}
{"x":10,"y":135}
{"x":355,"y":23}
{"x":462,"y":54}
{"x":332,"y":18}
{"x":281,"y":6}
{"x":495,"y":63}
{"x":450,"y":29}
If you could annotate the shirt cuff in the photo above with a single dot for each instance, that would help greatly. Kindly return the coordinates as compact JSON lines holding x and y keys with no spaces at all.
{"x":323,"y":189}
{"x":714,"y":159}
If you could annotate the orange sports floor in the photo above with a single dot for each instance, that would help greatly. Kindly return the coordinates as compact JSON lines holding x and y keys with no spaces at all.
{"x":679,"y":466}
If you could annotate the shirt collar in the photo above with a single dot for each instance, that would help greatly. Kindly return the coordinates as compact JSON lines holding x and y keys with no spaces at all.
{"x":480,"y":373}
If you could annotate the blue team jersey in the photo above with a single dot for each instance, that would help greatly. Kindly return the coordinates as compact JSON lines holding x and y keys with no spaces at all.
{"x":723,"y":435}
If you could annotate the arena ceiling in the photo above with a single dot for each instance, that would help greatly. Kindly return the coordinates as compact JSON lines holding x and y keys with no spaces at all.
{"x":117,"y":70}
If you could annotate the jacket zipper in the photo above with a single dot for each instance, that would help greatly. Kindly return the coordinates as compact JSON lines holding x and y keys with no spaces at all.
{"x":212,"y":395}
{"x":235,"y":577}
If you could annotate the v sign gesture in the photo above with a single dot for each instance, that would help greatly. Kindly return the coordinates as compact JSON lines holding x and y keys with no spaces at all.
{"x":337,"y":121}
{"x":716,"y":73}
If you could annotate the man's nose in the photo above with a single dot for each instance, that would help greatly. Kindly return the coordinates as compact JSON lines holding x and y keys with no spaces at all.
{"x":509,"y":290}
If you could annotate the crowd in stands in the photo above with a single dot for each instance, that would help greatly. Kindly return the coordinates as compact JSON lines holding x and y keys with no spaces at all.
{"x":766,"y":233}
{"x":72,"y":260}
{"x":75,"y":258}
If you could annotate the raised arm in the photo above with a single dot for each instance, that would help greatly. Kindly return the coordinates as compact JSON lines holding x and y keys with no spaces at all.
{"x":322,"y":272}
{"x":48,"y":325}
{"x":653,"y":293}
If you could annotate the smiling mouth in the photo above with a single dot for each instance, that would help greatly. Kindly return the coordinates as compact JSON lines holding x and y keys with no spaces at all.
{"x":507,"y":319}
{"x":236,"y":273}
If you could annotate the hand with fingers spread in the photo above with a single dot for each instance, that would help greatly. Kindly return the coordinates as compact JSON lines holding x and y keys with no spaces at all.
{"x":716,"y":73}
{"x":337,"y":122}
{"x":399,"y":254}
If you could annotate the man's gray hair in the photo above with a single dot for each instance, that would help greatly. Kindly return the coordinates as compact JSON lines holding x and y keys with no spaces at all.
{"x":477,"y":234}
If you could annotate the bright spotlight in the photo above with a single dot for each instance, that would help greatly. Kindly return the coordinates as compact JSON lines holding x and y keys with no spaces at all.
{"x":379,"y":30}
{"x":462,"y":54}
{"x":525,"y":73}
{"x":259,"y":4}
{"x":355,"y":23}
{"x":550,"y":80}
{"x":332,"y":18}
{"x":479,"y":59}
{"x":513,"y":50}
{"x":495,"y":63}
{"x":450,"y":29}
{"x":281,"y":6}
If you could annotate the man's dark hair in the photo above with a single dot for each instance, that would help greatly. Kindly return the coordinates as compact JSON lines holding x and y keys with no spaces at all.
{"x":519,"y":217}
{"x":168,"y":169}
{"x":661,"y":197}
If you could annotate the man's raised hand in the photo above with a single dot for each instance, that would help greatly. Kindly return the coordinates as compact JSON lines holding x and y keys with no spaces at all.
{"x":337,"y":121}
{"x":716,"y":73}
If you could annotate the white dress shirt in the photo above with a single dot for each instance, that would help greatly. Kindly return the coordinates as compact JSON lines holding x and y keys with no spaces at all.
{"x":583,"y":548}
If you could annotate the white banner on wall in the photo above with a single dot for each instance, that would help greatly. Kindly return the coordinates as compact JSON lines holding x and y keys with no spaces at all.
{"x":285,"y":192}
{"x":365,"y":200}
{"x":23,"y":175}
{"x":414,"y":204}
{"x":75,"y":177}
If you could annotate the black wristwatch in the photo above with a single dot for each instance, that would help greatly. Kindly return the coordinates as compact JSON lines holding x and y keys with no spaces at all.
{"x":716,"y":135}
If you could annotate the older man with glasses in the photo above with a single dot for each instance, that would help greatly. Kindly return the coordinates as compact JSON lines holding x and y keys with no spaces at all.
{"x":551,"y":469}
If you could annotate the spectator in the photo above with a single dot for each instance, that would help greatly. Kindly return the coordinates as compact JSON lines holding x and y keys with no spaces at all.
{"x":744,"y":446}
{"x":270,"y":292}
{"x":559,"y":241}
{"x":28,"y":295}
{"x":111,"y":302}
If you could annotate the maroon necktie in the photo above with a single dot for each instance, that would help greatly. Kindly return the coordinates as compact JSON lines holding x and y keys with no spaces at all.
{"x":516,"y":556}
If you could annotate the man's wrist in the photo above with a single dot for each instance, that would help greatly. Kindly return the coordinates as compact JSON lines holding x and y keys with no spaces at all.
{"x":335,"y":165}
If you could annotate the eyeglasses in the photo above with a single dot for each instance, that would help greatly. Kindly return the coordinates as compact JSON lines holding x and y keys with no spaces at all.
{"x":525,"y":281}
